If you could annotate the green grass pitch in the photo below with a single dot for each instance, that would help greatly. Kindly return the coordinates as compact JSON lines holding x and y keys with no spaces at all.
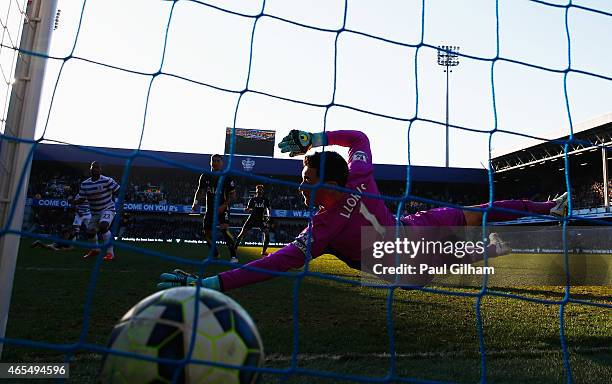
{"x":342,"y":328}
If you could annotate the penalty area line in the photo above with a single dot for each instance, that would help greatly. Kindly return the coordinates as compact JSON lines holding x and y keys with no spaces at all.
{"x":490,"y":353}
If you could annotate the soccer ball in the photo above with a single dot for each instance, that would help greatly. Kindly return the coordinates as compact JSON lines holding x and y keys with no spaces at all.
{"x":160,"y":326}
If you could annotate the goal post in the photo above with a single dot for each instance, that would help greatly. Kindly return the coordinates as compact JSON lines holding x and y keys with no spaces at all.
{"x":20,"y":125}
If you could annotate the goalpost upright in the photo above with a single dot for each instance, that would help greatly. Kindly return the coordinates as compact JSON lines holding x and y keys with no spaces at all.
{"x":14,"y":152}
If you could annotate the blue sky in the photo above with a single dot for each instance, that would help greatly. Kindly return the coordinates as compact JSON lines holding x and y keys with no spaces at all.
{"x":97,"y":105}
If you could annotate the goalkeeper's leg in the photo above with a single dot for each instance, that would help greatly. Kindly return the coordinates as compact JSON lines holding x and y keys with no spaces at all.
{"x":556,"y":207}
{"x":449,"y":217}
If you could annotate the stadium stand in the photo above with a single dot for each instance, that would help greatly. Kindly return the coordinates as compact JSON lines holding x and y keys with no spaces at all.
{"x":538,"y":171}
{"x":534,"y":172}
{"x":159,"y":197}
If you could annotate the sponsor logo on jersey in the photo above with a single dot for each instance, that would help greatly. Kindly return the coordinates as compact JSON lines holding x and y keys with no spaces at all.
{"x":360,"y":156}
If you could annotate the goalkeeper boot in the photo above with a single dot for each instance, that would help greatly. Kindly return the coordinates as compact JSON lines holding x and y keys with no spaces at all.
{"x":91,"y":253}
{"x":560,"y":208}
{"x":501,"y":247}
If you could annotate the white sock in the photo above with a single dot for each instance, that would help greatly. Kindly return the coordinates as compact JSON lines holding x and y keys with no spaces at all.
{"x":105,"y":237}
{"x":94,"y":240}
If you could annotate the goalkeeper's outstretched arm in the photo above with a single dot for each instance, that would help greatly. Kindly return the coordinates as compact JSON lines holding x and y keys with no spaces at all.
{"x":360,"y":154}
{"x":292,"y":256}
{"x":289,"y":257}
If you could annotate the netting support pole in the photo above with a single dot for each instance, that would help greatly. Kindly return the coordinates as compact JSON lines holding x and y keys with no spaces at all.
{"x":604,"y":166}
{"x":447,"y":141}
{"x":448,"y":58}
{"x":21,"y":124}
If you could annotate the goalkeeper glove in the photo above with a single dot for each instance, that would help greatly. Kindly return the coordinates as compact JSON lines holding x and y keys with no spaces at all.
{"x":180,"y":278}
{"x":299,"y":142}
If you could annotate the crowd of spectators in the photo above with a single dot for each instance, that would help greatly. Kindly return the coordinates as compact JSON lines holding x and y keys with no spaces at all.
{"x":155,"y":188}
{"x":51,"y":221}
{"x":147,"y":186}
{"x":590,"y":195}
{"x":585,"y":192}
{"x":54,"y":186}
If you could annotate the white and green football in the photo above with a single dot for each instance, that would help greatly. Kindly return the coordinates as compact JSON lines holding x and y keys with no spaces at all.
{"x":160,"y":327}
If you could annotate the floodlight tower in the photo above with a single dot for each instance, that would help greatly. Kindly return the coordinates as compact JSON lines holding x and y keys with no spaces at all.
{"x":448,"y":58}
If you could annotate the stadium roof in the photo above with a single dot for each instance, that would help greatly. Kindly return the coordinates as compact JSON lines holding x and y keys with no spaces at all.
{"x":589,"y":135}
{"x":248,"y":164}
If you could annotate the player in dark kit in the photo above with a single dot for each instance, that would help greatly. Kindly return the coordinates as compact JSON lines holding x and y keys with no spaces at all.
{"x":259,"y":209}
{"x":207,"y":187}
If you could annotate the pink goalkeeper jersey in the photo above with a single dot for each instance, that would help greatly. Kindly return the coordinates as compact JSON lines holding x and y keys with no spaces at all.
{"x":335,"y":230}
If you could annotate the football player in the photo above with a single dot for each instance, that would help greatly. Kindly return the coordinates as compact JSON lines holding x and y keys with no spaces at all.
{"x":207,"y":188}
{"x":100,"y":192}
{"x":258,"y":208}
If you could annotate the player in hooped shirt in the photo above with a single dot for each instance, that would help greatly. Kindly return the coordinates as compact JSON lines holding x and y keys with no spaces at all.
{"x":100,"y":191}
{"x":82,"y":215}
{"x":336,"y":226}
{"x":258,"y":208}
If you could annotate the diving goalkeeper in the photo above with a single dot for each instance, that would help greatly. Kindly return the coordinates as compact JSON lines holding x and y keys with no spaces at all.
{"x":336,"y":226}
